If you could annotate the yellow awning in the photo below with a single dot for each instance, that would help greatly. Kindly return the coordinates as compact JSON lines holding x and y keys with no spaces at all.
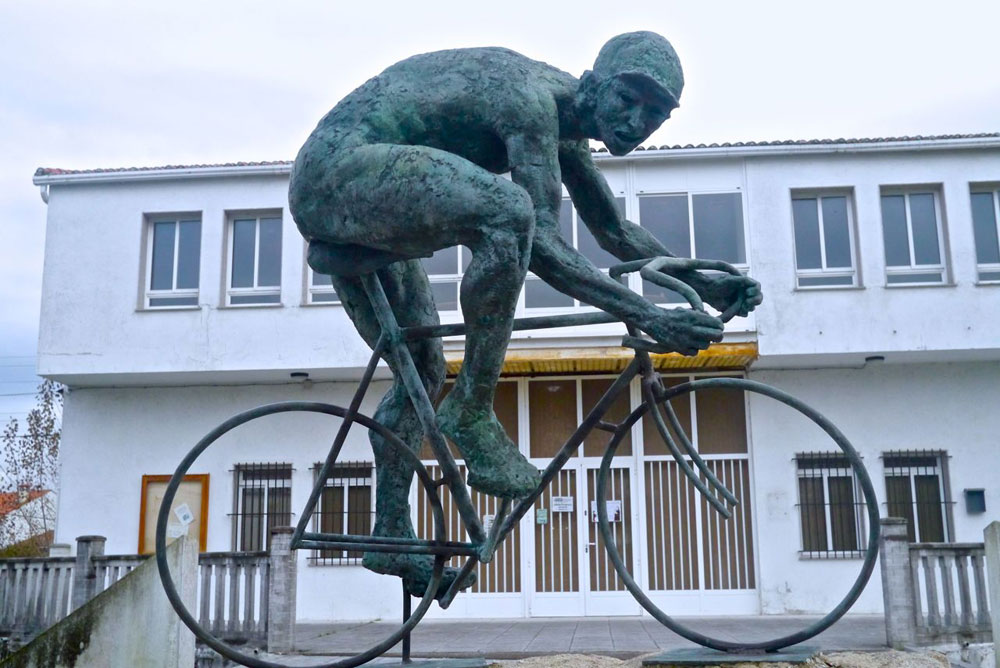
{"x":612,"y":359}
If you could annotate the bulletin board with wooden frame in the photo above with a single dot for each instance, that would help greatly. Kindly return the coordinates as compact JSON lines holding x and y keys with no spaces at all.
{"x":193,"y":493}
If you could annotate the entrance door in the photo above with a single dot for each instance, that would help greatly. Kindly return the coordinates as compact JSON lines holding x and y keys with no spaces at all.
{"x":605,"y":592}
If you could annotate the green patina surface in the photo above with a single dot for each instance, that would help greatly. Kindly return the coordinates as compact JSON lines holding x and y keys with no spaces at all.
{"x":411,"y":162}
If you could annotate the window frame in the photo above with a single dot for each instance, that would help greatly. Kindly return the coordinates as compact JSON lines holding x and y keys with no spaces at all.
{"x":239,"y":484}
{"x":906,"y":191}
{"x":636,"y":282}
{"x":317,"y":557}
{"x":859,"y":514}
{"x":146,"y":291}
{"x":260,"y":291}
{"x":854,"y":272}
{"x":984,"y":267}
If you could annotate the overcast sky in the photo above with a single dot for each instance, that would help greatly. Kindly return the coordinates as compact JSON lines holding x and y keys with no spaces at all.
{"x":109,"y":84}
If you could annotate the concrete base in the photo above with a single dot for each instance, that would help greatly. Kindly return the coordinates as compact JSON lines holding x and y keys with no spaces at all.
{"x":702,"y":656}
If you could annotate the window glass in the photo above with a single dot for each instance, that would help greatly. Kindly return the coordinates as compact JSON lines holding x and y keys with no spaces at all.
{"x":984,"y":224}
{"x":539,"y":294}
{"x":566,"y":220}
{"x":652,"y":441}
{"x":843,"y":516}
{"x":923,"y":220}
{"x":895,"y":236}
{"x":596,"y":442}
{"x":244,"y":249}
{"x":552,"y":414}
{"x":718,"y":227}
{"x":444,"y":261}
{"x":722,"y":426}
{"x":666,"y":217}
{"x":588,"y":246}
{"x":188,"y":254}
{"x":806,"y":221}
{"x":162,"y":275}
{"x":269,"y":271}
{"x":445,"y":295}
{"x":812,"y":511}
{"x":836,"y":232}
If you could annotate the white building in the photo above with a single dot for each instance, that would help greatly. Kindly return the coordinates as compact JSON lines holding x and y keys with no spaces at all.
{"x":177,"y":297}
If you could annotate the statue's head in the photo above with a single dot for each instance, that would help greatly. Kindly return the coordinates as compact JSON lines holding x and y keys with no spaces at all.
{"x":635,"y":84}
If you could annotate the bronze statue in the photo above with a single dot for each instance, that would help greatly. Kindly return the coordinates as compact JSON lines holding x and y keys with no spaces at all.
{"x":411,"y":162}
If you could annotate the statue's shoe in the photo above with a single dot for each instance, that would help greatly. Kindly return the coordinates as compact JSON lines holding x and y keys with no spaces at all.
{"x":415,"y":570}
{"x":494,"y":463}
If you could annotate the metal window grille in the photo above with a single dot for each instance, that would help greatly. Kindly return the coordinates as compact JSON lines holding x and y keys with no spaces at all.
{"x":831,"y":508}
{"x":916,"y":488}
{"x":262,"y":499}
{"x":345,"y":507}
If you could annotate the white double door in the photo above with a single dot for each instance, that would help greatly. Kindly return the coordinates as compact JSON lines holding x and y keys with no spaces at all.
{"x":568,"y":567}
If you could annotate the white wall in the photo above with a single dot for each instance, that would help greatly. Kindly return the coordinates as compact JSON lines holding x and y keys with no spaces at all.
{"x":949,"y":407}
{"x":960,"y":316}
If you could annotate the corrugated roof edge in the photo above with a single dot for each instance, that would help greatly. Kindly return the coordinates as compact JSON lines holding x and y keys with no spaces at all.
{"x":277,"y":166}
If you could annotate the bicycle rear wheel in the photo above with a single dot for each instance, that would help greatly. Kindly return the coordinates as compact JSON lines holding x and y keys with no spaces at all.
{"x":229,"y":651}
{"x":868,"y":490}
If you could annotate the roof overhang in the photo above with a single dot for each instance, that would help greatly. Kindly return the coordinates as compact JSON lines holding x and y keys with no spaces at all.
{"x":613,"y":359}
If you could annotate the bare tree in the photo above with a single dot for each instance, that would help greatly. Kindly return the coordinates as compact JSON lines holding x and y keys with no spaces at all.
{"x":29,"y":475}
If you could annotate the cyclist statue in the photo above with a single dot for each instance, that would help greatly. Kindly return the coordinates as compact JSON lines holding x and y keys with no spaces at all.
{"x":411,"y":162}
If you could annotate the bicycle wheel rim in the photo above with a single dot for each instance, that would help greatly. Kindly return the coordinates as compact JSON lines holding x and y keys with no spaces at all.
{"x":227,"y":650}
{"x":871,"y":503}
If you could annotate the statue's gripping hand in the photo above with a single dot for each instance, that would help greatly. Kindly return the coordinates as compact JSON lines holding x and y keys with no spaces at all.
{"x":722,"y":291}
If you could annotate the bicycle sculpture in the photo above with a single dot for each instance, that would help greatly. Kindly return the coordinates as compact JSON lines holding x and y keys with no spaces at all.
{"x":406,"y":165}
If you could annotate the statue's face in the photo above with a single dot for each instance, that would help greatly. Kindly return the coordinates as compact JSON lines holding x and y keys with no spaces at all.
{"x":626,"y":114}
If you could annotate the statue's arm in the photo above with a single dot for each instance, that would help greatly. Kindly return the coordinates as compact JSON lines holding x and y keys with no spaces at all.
{"x":535,"y":167}
{"x":625,"y":240}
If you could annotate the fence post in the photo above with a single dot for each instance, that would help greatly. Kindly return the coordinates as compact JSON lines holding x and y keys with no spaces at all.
{"x":897,"y":584}
{"x":281,"y":592}
{"x":991,"y":538}
{"x":84,"y":572}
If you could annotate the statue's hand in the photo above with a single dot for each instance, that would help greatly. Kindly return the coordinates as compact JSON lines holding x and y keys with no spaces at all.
{"x":724,"y":290}
{"x":685,"y":330}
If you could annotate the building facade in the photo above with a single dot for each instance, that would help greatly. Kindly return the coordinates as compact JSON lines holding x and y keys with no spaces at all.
{"x":174,"y":298}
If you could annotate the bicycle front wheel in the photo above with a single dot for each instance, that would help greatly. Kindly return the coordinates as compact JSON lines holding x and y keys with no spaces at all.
{"x":852,"y":457}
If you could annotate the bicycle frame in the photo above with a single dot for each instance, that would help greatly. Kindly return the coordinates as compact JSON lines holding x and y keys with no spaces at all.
{"x":392,"y":341}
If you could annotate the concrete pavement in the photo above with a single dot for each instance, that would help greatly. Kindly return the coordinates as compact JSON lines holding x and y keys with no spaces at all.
{"x":622,"y":637}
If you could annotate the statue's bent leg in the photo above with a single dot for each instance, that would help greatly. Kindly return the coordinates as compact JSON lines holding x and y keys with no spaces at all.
{"x":405,"y":283}
{"x":412,"y":201}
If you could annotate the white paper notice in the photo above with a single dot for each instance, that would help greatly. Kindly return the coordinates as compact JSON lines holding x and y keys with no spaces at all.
{"x":614,"y":511}
{"x":562,"y":504}
{"x":184,"y":514}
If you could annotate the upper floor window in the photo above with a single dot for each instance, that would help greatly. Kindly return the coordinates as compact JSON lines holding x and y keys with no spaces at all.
{"x":320,"y":289}
{"x":445,"y":269}
{"x":538,"y":293}
{"x":916,"y":489}
{"x":913,"y":236}
{"x":254,"y":259}
{"x":707,"y":226}
{"x":173,"y":256}
{"x":986,"y":227}
{"x":824,"y":240}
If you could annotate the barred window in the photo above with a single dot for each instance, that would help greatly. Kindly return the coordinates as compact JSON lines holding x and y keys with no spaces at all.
{"x":344,"y":507}
{"x":916,"y":488}
{"x":262,"y":499}
{"x":831,"y":509}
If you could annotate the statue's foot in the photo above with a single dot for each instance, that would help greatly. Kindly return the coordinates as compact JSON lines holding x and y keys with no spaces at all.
{"x":415,"y":570}
{"x":495,"y":466}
